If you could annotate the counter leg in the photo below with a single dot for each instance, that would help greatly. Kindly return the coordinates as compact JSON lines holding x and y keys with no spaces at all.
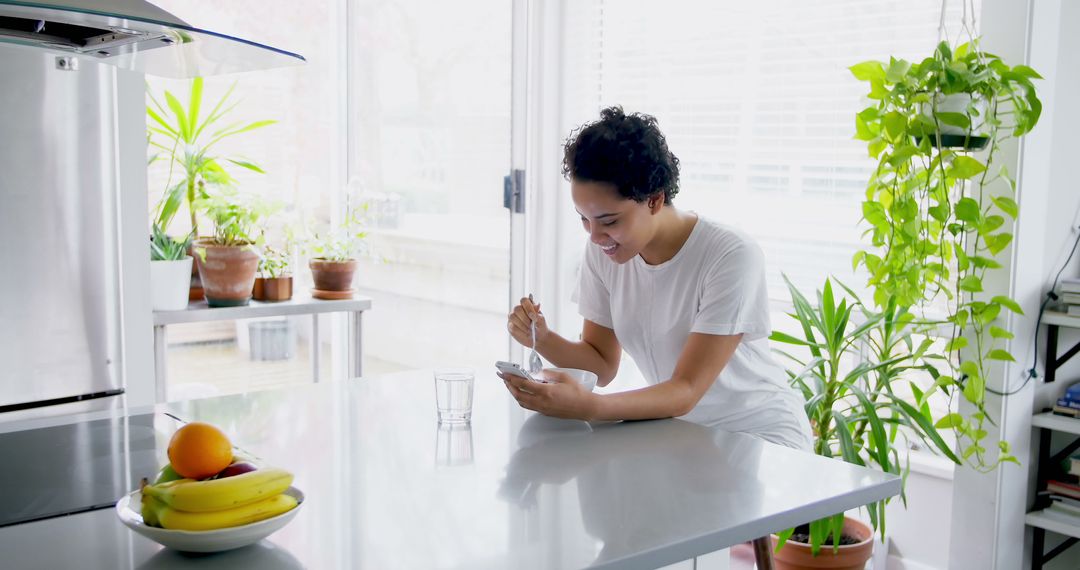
{"x":314,"y":351}
{"x":356,"y":354}
{"x":160,"y":348}
{"x":763,"y":553}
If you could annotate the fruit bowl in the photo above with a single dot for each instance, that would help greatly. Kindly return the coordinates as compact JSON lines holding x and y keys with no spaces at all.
{"x":129,"y":506}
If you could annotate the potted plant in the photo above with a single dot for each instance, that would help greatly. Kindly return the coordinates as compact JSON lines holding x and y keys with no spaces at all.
{"x":170,"y":271}
{"x":854,"y":408}
{"x":333,"y":256}
{"x":227,"y":261}
{"x":274,"y":281}
{"x":940,"y":214}
{"x":186,"y":138}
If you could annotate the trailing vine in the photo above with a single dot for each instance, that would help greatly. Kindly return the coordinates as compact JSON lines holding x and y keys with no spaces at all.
{"x":940,"y":210}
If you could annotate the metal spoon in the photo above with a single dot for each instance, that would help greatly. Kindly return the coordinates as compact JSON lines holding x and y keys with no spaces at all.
{"x":535,"y":364}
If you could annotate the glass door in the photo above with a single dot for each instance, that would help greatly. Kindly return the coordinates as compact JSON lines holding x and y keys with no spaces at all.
{"x":430,"y":115}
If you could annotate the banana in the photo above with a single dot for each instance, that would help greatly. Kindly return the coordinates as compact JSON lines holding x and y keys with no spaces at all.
{"x":158,"y":513}
{"x":217,"y":494}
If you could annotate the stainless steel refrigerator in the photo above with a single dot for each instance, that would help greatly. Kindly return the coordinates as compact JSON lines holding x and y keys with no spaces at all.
{"x":61,"y":304}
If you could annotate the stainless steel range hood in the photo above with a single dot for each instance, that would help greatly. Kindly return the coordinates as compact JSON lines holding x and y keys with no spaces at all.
{"x":134,"y":35}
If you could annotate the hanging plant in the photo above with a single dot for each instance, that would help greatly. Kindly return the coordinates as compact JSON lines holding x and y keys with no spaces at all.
{"x":940,"y":213}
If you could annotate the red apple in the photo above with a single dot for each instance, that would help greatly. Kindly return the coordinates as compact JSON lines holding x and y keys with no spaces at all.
{"x":236,"y":469}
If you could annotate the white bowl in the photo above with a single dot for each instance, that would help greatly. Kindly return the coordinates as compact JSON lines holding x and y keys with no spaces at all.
{"x":129,"y":509}
{"x":584,"y":377}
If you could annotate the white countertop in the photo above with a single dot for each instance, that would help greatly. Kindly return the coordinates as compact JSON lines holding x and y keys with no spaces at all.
{"x":387,"y":488}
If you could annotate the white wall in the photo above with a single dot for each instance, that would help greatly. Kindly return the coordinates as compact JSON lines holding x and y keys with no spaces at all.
{"x":1049,"y":160}
{"x":988,"y":528}
{"x":138,"y":344}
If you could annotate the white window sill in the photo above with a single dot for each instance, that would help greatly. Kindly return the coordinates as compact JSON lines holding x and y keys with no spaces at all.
{"x":926,"y":463}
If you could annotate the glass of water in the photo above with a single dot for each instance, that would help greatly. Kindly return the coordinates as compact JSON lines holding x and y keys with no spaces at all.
{"x":454,"y":394}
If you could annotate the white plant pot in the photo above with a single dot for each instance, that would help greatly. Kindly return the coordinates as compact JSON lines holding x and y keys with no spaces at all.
{"x":958,"y":103}
{"x":169,"y":284}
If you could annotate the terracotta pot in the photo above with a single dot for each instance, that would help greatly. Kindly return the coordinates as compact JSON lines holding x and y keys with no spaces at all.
{"x":272,"y":289}
{"x":335,"y":276}
{"x":797,"y":556}
{"x":227,"y":272}
{"x":195,"y":290}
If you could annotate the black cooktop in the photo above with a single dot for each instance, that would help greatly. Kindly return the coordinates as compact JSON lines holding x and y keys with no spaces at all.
{"x":68,"y":469}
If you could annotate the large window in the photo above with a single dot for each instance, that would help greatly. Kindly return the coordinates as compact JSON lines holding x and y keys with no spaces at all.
{"x":403,"y":106}
{"x":757,"y":102}
{"x":301,"y":155}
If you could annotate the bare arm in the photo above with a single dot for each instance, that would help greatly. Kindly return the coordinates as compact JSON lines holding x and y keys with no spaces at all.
{"x":701,"y":360}
{"x":598,"y":351}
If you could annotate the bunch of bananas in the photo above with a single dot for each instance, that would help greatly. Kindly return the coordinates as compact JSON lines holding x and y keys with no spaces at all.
{"x":188,"y":504}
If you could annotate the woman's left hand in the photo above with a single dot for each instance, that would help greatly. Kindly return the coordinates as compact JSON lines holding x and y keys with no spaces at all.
{"x":560,"y":396}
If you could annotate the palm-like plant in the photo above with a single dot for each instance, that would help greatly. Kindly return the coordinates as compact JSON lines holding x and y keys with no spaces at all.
{"x":854,"y":410}
{"x":188,"y":141}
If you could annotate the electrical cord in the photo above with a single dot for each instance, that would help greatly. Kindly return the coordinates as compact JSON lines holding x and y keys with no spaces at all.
{"x":1050,"y":296}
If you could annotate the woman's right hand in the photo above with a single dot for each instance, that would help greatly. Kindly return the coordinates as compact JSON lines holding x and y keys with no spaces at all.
{"x":517,"y":322}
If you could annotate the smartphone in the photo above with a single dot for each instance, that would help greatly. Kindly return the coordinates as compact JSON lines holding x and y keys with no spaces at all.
{"x":515,"y":369}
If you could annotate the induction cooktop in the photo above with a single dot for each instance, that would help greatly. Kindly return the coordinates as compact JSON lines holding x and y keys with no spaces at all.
{"x":67,"y":469}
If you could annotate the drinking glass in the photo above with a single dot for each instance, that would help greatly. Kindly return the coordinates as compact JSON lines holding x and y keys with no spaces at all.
{"x":454,"y":394}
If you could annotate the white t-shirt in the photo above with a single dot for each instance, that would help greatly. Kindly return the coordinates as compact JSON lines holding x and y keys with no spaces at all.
{"x":715,"y":284}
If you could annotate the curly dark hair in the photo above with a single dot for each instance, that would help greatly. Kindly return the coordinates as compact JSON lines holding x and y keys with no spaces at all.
{"x":628,"y":151}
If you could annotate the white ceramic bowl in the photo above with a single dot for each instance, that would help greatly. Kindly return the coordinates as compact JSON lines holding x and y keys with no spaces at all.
{"x":584,"y":377}
{"x":129,"y":510}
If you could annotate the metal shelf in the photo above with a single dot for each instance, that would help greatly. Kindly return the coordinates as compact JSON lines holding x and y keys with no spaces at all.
{"x":1050,"y":420}
{"x":1061,"y":319}
{"x":1040,"y":519}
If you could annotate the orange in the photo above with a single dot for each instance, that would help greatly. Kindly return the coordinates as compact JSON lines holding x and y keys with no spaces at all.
{"x":199,"y":450}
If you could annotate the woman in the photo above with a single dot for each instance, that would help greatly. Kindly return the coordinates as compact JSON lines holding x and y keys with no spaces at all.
{"x":683,"y":295}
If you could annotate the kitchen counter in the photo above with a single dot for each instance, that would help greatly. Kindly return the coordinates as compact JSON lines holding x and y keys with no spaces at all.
{"x":387,"y":487}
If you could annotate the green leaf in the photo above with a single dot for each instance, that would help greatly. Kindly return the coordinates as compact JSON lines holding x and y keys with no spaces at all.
{"x":1026,"y":71}
{"x":862,"y":130}
{"x":998,"y":332}
{"x":975,"y":389}
{"x":878,"y":90}
{"x":876,"y":146}
{"x":786,"y":338}
{"x":970,"y":368}
{"x":991,"y":223}
{"x":782,"y":538}
{"x":868,"y":70}
{"x":926,"y":426}
{"x":967,"y":210}
{"x":856,"y":259}
{"x":950,"y":421}
{"x":193,"y":104}
{"x":988,"y":314}
{"x":895,"y":124}
{"x":971,"y":284}
{"x":953,"y":119}
{"x":875,"y":213}
{"x":966,"y":167}
{"x":898,"y":68}
{"x":999,"y":354}
{"x":247,"y":165}
{"x":181,"y":116}
{"x":1007,"y":205}
{"x":956,"y":344}
{"x":996,"y":243}
{"x":1008,"y":304}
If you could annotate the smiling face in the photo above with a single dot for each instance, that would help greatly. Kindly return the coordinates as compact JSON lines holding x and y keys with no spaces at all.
{"x":619,"y":226}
